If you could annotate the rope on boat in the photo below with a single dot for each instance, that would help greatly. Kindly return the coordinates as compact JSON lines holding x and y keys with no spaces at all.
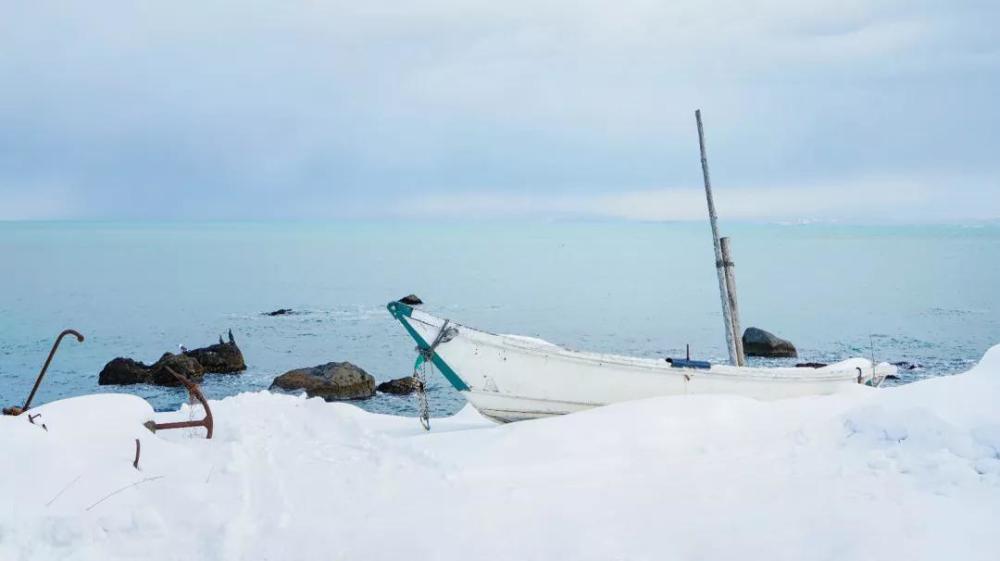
{"x":425,"y":355}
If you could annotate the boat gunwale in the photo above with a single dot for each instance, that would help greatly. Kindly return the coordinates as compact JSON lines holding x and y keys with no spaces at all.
{"x":657,"y":366}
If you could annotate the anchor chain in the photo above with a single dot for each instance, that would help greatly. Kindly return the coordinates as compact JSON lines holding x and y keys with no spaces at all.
{"x":423,"y":407}
{"x":425,"y":356}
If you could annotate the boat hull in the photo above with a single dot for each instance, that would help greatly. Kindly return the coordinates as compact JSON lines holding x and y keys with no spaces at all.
{"x":510,"y":378}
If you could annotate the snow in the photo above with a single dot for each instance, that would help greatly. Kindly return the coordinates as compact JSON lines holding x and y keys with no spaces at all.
{"x":911,"y":472}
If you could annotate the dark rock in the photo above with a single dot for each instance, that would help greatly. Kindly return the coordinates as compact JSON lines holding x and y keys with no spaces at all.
{"x":182,"y":364}
{"x":399,"y":386}
{"x":124,"y":371}
{"x":810,"y":364}
{"x":221,"y":358}
{"x":757,"y":342}
{"x":906,"y":365}
{"x":280,"y":312}
{"x":411,"y":300}
{"x":332,"y":381}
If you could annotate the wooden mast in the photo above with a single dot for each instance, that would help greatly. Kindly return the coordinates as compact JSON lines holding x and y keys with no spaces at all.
{"x":719,"y":263}
{"x":734,"y":305}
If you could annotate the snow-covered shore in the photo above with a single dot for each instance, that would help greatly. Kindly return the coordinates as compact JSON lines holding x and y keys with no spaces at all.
{"x":904,"y":473}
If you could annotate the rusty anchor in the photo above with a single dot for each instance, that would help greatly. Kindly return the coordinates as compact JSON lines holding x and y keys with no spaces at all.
{"x":15,"y":410}
{"x":194,"y":392}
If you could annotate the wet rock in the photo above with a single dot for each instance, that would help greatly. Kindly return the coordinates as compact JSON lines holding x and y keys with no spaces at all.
{"x":181,"y":364}
{"x":280,"y":312}
{"x":810,"y":364}
{"x":906,"y":365}
{"x":411,"y":300}
{"x":757,"y":342}
{"x":399,"y":386}
{"x":221,"y":358}
{"x":125,"y":371}
{"x":332,"y":381}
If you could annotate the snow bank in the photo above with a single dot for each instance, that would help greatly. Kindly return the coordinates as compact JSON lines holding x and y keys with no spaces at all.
{"x":904,"y":473}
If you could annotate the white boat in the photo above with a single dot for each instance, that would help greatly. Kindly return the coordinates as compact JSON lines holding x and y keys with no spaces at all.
{"x":510,"y":378}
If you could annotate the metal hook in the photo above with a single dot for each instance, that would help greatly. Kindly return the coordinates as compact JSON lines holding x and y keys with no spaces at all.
{"x":38,"y":381}
{"x":193,"y":390}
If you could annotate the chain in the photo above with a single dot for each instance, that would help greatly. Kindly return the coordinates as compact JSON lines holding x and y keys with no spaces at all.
{"x":425,"y":355}
{"x":420,"y":375}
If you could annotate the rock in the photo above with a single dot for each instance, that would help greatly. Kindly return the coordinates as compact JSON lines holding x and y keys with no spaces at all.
{"x":221,"y":358}
{"x":399,"y":386}
{"x":810,"y":364}
{"x":411,"y":300}
{"x":331,"y":381}
{"x":906,"y":365}
{"x":280,"y":312}
{"x":182,"y":364}
{"x":757,"y":342}
{"x":124,"y":371}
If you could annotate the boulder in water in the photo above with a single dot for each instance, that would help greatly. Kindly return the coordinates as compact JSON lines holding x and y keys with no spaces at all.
{"x":399,"y":386}
{"x":411,"y":300}
{"x":125,"y":371}
{"x":181,"y":364}
{"x":757,"y":342}
{"x":280,"y":312}
{"x":122,"y":371}
{"x":332,"y":381}
{"x":221,"y":358}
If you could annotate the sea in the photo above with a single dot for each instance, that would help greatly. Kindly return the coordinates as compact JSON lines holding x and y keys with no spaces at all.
{"x":923,"y":294}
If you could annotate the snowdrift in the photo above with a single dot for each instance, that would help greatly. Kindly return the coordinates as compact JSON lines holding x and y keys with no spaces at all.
{"x":904,"y":473}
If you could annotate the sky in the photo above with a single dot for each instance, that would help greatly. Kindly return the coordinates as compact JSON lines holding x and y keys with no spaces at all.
{"x":835,"y":110}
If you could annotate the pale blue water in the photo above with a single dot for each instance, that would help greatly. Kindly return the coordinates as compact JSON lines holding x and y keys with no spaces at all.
{"x":928,"y":294}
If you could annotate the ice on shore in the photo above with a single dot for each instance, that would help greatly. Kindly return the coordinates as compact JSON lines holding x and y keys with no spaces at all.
{"x":911,"y":472}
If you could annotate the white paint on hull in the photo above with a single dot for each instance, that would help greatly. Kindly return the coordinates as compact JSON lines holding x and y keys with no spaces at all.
{"x":512,"y":378}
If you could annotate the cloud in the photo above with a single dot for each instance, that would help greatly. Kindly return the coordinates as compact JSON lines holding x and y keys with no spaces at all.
{"x":885,"y":200}
{"x":40,"y":202}
{"x":224,"y":109}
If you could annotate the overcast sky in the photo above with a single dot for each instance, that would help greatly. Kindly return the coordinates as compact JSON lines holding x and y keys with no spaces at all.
{"x":827,"y":109}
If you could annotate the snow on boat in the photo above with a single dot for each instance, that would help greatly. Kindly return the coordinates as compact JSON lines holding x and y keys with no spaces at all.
{"x":510,"y":378}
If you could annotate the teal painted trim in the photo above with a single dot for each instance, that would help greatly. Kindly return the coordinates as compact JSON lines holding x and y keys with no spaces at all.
{"x":401,"y":312}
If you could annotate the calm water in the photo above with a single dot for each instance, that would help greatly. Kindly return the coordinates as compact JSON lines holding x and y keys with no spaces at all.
{"x":924,"y":294}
